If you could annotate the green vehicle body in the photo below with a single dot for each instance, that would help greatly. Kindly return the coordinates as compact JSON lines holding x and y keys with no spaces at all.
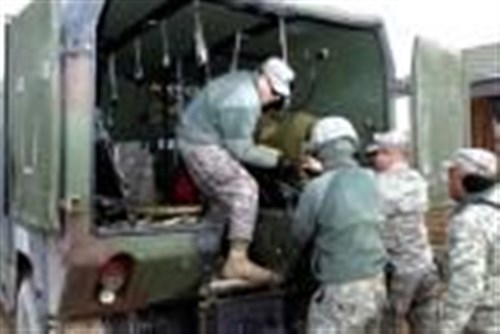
{"x":55,"y":81}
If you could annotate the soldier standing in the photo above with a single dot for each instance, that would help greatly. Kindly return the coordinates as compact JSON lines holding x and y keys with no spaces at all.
{"x":339,"y":216}
{"x":413,"y":280}
{"x":472,"y":304}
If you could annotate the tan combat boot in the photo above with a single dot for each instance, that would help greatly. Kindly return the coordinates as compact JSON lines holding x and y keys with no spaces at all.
{"x":239,"y":266}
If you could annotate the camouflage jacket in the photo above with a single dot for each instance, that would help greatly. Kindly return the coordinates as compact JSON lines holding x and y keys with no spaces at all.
{"x":225,"y":113}
{"x":339,"y":215}
{"x":404,"y":198}
{"x":474,"y":261}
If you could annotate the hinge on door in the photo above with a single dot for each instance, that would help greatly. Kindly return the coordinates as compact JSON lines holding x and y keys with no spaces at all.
{"x":72,"y":206}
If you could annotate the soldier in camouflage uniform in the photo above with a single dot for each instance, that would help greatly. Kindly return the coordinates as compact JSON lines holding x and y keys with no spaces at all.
{"x":339,"y":216}
{"x":215,"y":137}
{"x":412,"y":278}
{"x":472,"y":304}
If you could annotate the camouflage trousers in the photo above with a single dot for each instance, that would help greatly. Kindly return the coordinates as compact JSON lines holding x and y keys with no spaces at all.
{"x":350,"y":308}
{"x":483,"y":321}
{"x":231,"y":191}
{"x":414,"y":298}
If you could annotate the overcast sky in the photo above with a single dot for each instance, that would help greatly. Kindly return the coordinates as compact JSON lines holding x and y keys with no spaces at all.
{"x":455,"y":23}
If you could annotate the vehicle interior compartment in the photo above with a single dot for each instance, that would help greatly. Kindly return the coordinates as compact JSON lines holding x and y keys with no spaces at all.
{"x":152,"y":59}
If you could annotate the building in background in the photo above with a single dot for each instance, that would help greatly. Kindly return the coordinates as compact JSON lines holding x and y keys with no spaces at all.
{"x":483,"y":68}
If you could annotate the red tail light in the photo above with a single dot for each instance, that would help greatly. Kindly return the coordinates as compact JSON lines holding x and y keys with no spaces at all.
{"x":113,"y":277}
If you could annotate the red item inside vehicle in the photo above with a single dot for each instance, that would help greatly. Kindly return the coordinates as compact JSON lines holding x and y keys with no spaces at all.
{"x":184,"y":190}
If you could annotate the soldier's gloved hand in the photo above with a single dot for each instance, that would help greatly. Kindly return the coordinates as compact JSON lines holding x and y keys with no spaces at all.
{"x":311,"y":166}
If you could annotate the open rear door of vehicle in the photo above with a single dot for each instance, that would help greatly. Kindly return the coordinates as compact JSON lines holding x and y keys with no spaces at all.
{"x":440,"y":117}
{"x":6,"y":250}
{"x":35,"y":115}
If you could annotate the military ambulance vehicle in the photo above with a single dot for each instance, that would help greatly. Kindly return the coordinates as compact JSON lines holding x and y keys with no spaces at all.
{"x":100,"y":226}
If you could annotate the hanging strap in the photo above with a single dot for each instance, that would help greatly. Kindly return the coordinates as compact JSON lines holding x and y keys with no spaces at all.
{"x":113,"y":83}
{"x":179,"y":85}
{"x":200,"y":45}
{"x":138,"y":70}
{"x":236,"y":51}
{"x":165,"y":61}
{"x":283,"y":39}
